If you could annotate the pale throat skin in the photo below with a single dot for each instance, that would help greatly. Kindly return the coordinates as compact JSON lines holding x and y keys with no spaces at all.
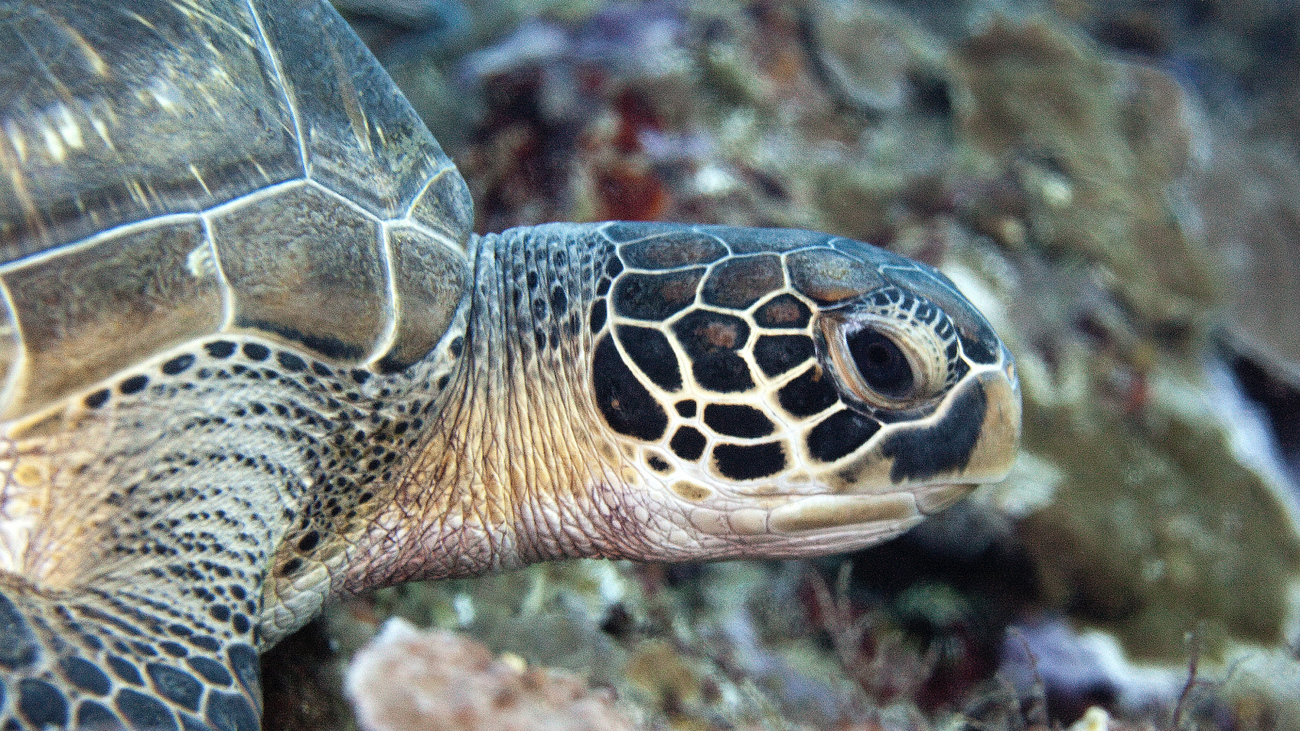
{"x":521,"y":466}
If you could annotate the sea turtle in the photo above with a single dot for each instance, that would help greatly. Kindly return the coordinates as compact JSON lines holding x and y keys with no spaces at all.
{"x":252,"y":355}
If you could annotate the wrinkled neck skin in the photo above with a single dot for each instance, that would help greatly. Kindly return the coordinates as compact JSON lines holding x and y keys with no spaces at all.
{"x":516,"y":468}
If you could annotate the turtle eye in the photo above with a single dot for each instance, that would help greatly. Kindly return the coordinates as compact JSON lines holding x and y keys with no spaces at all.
{"x":895,"y":351}
{"x":881,"y":363}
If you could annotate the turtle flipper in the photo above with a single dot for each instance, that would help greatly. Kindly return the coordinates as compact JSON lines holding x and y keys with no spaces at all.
{"x":94,"y":659}
{"x":143,"y":552}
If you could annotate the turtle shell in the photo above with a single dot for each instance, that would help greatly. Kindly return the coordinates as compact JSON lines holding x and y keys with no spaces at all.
{"x":210,"y":171}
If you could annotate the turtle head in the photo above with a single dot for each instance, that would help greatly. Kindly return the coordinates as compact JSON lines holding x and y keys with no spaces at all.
{"x":784,"y":393}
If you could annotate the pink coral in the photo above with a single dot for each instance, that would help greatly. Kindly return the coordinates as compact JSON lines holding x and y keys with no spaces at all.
{"x":407,"y":679}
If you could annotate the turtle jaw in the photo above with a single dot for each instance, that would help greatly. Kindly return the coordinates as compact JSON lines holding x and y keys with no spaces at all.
{"x":892,"y":487}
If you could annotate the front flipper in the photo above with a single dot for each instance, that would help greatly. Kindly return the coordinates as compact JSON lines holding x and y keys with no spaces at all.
{"x":92,"y":659}
{"x":140,"y":537}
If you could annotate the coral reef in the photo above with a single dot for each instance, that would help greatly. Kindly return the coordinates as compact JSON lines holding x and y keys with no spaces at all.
{"x":1090,"y":146}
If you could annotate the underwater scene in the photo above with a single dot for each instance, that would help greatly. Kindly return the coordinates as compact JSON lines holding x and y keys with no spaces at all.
{"x":1116,"y":185}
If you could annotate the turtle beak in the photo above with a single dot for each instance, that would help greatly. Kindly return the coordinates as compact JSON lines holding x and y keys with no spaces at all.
{"x":927,"y":469}
{"x":994,"y":452}
{"x":999,"y":440}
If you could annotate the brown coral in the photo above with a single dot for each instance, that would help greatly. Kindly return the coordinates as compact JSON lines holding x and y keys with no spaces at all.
{"x":1094,"y":144}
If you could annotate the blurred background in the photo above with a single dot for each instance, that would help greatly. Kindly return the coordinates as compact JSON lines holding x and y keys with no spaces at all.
{"x":1115,"y":184}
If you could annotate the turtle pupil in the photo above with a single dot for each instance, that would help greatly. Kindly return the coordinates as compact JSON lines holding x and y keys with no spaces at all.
{"x":881,"y":363}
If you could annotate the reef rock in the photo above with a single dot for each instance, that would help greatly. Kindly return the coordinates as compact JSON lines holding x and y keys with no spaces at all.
{"x":408,"y":680}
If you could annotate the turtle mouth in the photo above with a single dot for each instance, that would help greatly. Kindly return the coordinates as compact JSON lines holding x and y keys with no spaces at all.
{"x":911,"y":480}
{"x":822,"y":512}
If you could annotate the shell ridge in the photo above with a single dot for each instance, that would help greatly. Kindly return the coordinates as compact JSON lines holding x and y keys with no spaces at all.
{"x":223,"y":283}
{"x":286,"y":91}
{"x":18,"y":364}
{"x":388,"y":338}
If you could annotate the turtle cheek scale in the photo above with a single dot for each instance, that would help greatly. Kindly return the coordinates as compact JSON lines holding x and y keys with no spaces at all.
{"x":750,"y":435}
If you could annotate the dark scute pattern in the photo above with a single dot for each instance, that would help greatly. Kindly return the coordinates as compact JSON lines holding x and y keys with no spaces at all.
{"x":203,"y":642}
{"x":839,"y":434}
{"x":980,"y":350}
{"x":142,"y":711}
{"x":92,"y":715}
{"x":290,"y":362}
{"x":808,"y":394}
{"x":244,"y":663}
{"x":175,"y":649}
{"x":704,"y":332}
{"x":650,"y":351}
{"x":97,"y":399}
{"x":85,"y":675}
{"x":178,"y":365}
{"x":785,"y":311}
{"x":739,"y":283}
{"x":655,"y":297}
{"x":626,"y":404}
{"x":175,"y":685}
{"x":658,"y":464}
{"x":737,"y":420}
{"x":231,"y":712}
{"x":946,"y":446}
{"x":388,"y":365}
{"x":331,"y":348}
{"x":711,"y":340}
{"x":559,"y":301}
{"x":723,"y":372}
{"x":827,"y":277}
{"x":256,"y":351}
{"x":17,"y":643}
{"x":220,"y":348}
{"x":598,"y":314}
{"x":749,"y":461}
{"x":776,"y":354}
{"x":41,"y":704}
{"x":683,"y":248}
{"x":686,"y":408}
{"x":309,"y":541}
{"x":134,"y":384}
{"x":211,"y":670}
{"x":124,"y":670}
{"x":688,"y":443}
